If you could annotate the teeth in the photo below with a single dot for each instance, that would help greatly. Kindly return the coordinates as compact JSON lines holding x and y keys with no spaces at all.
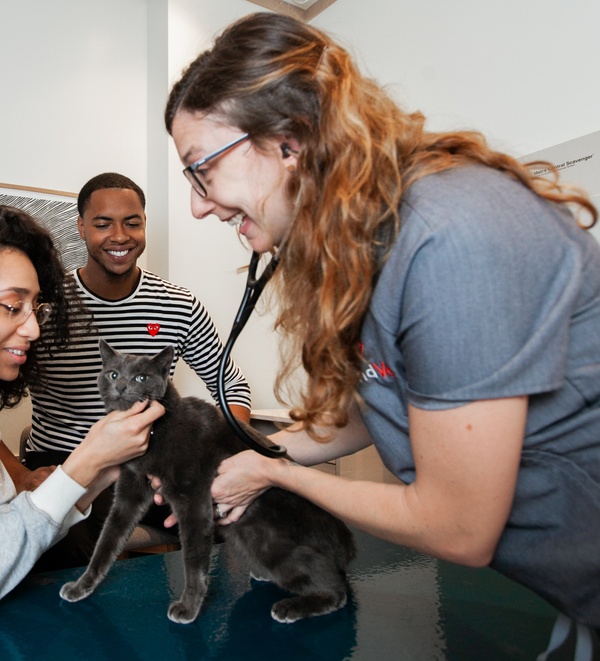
{"x":16,"y":352}
{"x":236,"y":220}
{"x":118,"y":253}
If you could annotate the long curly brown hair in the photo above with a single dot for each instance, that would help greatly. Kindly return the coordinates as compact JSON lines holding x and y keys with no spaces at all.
{"x":19,"y":231}
{"x":272,"y":76}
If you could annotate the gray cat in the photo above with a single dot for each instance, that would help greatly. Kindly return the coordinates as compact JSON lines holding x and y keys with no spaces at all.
{"x":281,"y":537}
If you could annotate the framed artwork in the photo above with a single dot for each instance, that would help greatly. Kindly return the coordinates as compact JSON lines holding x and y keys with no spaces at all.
{"x":54,"y":210}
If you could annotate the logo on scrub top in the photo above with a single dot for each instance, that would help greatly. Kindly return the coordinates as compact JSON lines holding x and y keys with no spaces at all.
{"x":375,"y":370}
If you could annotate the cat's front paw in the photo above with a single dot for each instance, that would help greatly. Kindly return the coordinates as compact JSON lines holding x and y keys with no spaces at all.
{"x":74,"y":592}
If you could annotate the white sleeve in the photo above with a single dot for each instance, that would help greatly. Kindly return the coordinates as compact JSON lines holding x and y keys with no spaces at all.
{"x":57,"y":495}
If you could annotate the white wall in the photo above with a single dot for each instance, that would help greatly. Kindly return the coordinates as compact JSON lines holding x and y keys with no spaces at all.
{"x":84,"y":83}
{"x":73,"y":91}
{"x":524,"y":72}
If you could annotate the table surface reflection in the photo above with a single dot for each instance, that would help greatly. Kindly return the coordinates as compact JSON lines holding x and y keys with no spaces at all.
{"x":402,"y":606}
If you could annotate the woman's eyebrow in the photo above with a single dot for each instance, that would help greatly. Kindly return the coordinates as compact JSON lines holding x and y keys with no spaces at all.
{"x":16,"y":290}
{"x":187,"y":157}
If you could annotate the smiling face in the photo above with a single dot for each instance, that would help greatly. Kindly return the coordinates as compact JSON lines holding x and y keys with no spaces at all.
{"x":113,"y":227}
{"x":245,"y":185}
{"x":18,"y":283}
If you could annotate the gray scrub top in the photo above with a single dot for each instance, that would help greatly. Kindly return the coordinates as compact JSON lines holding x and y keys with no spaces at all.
{"x":489,"y":292}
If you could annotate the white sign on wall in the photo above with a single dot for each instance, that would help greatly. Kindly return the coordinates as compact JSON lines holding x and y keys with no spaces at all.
{"x":577,"y":162}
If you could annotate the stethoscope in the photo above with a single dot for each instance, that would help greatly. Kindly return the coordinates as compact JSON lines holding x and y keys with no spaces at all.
{"x":254,"y":288}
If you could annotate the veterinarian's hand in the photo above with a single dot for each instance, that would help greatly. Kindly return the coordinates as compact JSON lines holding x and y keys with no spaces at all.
{"x":240,"y":480}
{"x":224,"y":515}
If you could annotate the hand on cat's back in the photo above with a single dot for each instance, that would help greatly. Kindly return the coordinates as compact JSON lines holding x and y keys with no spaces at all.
{"x":240,"y":480}
{"x":223,"y":515}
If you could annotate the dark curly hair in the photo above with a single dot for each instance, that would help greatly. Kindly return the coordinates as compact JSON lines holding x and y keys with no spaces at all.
{"x":19,"y":231}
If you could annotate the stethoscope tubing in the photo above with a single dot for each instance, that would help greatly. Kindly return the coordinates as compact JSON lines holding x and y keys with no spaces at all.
{"x":254,"y":288}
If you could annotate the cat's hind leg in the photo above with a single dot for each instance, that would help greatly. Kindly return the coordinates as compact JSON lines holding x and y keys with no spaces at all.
{"x":132,"y":499}
{"x":318,"y":585}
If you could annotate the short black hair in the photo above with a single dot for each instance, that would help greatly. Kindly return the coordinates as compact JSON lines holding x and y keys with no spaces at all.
{"x":107,"y":180}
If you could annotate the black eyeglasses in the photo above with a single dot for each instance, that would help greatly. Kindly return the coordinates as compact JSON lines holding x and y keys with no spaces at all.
{"x":192,"y":171}
{"x":19,"y":312}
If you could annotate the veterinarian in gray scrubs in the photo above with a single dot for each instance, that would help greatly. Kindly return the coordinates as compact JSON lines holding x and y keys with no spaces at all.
{"x":444,"y":303}
{"x":33,"y":519}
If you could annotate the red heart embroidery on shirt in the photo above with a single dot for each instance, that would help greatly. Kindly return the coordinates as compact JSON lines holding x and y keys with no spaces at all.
{"x":153,"y":329}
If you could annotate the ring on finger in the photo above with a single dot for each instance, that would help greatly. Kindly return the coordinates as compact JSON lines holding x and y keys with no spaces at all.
{"x":220,"y":513}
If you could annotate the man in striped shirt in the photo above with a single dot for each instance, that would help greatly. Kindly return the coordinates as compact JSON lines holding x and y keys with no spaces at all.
{"x":135,"y":311}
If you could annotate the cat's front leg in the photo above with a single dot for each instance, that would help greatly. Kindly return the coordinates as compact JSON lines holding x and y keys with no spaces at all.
{"x":196,"y":536}
{"x":132,"y":498}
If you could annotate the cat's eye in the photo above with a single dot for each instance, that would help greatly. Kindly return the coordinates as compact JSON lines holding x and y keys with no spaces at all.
{"x":113,"y":376}
{"x":140,"y":378}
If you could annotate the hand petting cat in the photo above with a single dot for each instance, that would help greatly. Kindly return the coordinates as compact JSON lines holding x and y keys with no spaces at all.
{"x":116,"y":438}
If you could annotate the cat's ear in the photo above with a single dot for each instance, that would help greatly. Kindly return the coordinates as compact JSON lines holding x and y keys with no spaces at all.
{"x":106,"y":351}
{"x":165,"y":358}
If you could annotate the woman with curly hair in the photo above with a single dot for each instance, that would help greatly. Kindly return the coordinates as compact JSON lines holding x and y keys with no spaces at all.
{"x":32,"y":292}
{"x":443,"y":303}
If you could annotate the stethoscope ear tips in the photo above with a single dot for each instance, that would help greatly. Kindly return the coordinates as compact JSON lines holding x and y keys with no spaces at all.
{"x":286,"y":150}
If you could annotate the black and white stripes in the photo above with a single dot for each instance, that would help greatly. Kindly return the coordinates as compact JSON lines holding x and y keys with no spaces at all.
{"x":158,"y":313}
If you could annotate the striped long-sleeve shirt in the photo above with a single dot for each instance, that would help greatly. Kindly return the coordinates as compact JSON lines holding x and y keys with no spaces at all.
{"x":158,"y":313}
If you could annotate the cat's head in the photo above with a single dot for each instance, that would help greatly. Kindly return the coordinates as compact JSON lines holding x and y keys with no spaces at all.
{"x":128,"y":378}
